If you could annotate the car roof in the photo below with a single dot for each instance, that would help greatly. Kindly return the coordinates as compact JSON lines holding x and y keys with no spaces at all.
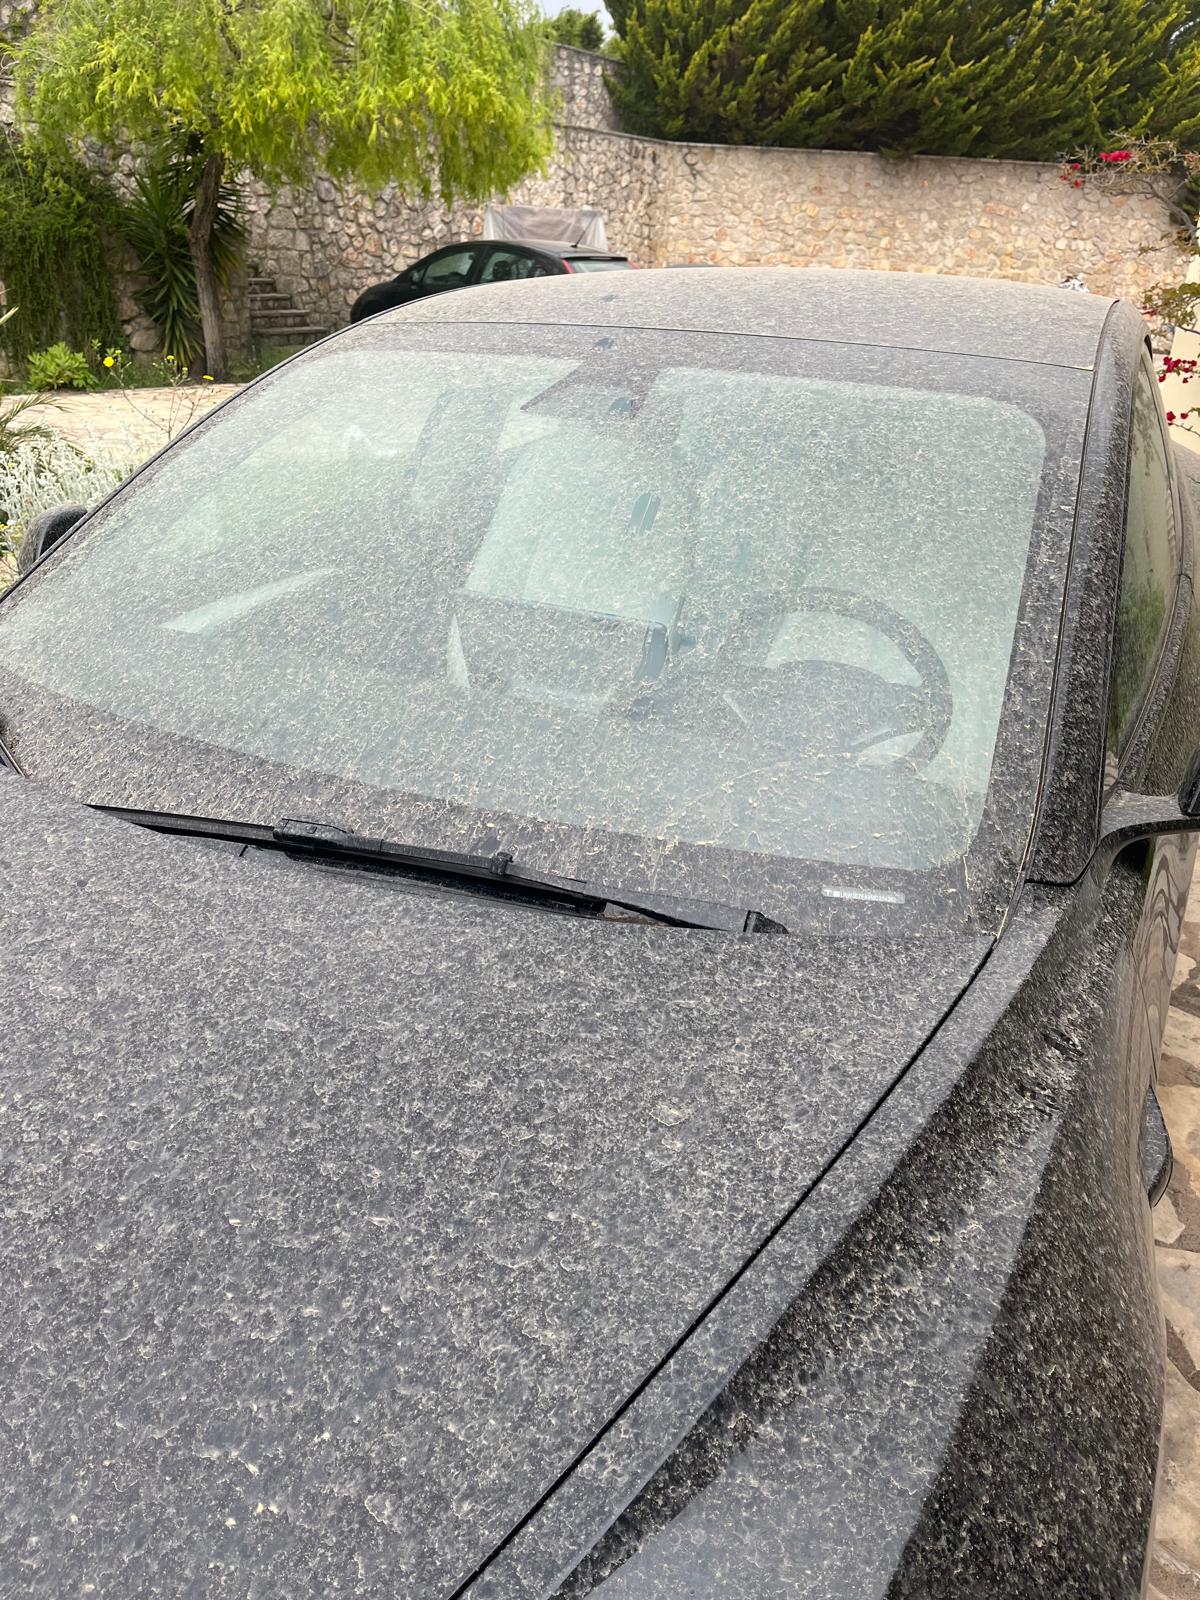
{"x":919,"y":311}
{"x":555,"y":247}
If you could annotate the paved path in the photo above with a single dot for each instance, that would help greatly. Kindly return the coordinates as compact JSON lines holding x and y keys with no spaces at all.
{"x":127,"y":425}
{"x":1176,"y":1565}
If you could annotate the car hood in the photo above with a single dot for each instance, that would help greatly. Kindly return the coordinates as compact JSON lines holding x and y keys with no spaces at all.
{"x":337,"y":1219}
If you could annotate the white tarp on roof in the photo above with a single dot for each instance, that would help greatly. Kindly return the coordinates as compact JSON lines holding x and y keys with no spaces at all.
{"x":580,"y":225}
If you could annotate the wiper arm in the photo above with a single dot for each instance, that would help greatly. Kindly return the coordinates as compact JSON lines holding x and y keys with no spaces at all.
{"x":328,"y":842}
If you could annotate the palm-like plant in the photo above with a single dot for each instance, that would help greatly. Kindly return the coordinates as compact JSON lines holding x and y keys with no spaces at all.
{"x":156,"y":222}
{"x":12,"y":432}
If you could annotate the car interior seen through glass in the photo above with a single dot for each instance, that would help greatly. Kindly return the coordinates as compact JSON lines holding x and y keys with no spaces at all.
{"x":654,"y":600}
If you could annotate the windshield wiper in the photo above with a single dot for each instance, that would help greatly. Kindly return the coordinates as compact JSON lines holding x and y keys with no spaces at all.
{"x":7,"y":759}
{"x":326,"y":841}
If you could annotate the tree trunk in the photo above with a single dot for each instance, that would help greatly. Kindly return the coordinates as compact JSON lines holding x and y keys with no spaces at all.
{"x":204,"y":212}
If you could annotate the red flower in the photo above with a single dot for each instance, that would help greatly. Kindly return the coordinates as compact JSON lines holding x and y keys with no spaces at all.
{"x":1112,"y":157}
{"x":1170,"y":416}
{"x":1077,"y":183}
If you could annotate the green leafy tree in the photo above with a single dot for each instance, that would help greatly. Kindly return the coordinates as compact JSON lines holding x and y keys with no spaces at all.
{"x":1015,"y":78}
{"x":580,"y":28}
{"x":444,"y":98}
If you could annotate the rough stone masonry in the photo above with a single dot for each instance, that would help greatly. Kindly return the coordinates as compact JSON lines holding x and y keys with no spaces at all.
{"x":670,"y":202}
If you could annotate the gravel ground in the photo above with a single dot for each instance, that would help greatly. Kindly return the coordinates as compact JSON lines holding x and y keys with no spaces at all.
{"x":1175,"y":1571}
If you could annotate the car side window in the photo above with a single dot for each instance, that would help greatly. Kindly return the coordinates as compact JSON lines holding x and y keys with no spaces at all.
{"x":503,"y":265}
{"x":450,"y":271}
{"x":1148,"y":566}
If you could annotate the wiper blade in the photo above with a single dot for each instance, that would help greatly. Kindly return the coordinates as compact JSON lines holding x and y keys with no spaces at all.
{"x":329,"y":842}
{"x":329,"y":839}
{"x":7,"y":759}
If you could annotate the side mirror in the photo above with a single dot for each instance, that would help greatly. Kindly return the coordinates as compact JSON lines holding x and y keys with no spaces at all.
{"x":1130,"y":817}
{"x":45,"y":531}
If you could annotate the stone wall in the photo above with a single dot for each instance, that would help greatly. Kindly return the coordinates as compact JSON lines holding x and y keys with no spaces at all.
{"x":1009,"y":219}
{"x":578,"y":78}
{"x":670,"y":202}
{"x":323,"y":246}
{"x":666,"y":203}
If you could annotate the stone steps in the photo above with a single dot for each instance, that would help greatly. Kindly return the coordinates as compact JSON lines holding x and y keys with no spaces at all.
{"x":275,"y":318}
{"x":278,"y":316}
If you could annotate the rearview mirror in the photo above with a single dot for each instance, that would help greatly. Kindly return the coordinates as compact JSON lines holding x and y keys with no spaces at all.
{"x":1130,"y":817}
{"x":45,"y":531}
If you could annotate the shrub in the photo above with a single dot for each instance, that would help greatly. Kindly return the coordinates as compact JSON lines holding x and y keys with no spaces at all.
{"x":60,"y":367}
{"x":55,"y":218}
{"x":1011,"y":78}
{"x":583,"y":29}
{"x":37,"y":474}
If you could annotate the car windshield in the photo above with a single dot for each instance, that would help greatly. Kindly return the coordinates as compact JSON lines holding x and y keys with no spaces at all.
{"x":595,"y":263}
{"x":719,"y":616}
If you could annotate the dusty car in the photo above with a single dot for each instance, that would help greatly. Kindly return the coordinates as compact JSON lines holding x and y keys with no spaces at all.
{"x":590,"y":879}
{"x":480,"y":261}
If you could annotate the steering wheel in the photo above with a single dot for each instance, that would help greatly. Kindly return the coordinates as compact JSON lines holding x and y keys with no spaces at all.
{"x":887,"y":711}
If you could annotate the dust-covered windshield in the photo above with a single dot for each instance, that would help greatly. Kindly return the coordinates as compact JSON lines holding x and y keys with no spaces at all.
{"x":720,"y":615}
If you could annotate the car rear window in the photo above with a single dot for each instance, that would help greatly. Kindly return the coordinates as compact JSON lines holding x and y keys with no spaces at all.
{"x":596,"y":263}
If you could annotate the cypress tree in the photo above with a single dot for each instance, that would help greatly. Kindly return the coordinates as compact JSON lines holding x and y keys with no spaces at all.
{"x":729,"y":71}
{"x":945,"y":77}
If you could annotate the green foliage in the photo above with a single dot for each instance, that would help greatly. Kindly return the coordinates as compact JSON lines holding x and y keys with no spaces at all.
{"x":44,"y":472}
{"x":13,"y":431}
{"x":155,"y":223}
{"x":583,"y":29}
{"x":54,"y":216}
{"x":262,"y":358}
{"x":60,"y":367}
{"x":445,"y":97}
{"x":1011,"y":78}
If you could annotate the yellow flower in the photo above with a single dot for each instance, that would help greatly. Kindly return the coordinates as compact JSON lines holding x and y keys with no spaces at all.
{"x":170,"y":358}
{"x":208,"y":377}
{"x":109,"y":362}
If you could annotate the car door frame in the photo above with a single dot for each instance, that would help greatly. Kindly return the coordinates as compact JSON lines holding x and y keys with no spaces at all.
{"x":475,"y":247}
{"x":1168,"y":861}
{"x":1067,"y":825}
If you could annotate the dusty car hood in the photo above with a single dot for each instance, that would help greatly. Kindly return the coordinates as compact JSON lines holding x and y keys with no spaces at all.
{"x":336,"y":1220}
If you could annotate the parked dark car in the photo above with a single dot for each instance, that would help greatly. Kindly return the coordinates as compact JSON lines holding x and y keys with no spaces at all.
{"x":589,"y":887}
{"x":479,"y":261}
